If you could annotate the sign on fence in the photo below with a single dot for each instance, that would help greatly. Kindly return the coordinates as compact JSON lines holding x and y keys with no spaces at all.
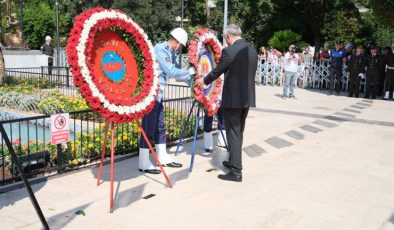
{"x":60,"y":132}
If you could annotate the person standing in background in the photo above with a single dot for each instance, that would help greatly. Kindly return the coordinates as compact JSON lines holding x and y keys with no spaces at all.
{"x":48,"y":50}
{"x":263,"y":55}
{"x":292,"y":60}
{"x":389,"y":63}
{"x":356,"y":69}
{"x":373,"y":69}
{"x":338,"y":59}
{"x":273,"y":60}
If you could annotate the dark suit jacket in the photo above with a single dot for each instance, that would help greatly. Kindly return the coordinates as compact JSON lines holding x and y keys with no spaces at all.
{"x":239,"y":65}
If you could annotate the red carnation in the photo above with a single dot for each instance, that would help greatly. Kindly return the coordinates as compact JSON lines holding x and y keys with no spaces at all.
{"x":78,"y":80}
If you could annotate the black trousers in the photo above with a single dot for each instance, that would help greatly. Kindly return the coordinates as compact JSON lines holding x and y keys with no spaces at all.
{"x":371,"y":84}
{"x":235,"y":126}
{"x":390,"y":82}
{"x":336,"y":79}
{"x":354,"y":84}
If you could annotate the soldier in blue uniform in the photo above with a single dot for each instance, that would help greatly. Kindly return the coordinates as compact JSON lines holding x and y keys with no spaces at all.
{"x":167,"y":56}
{"x":337,"y":58}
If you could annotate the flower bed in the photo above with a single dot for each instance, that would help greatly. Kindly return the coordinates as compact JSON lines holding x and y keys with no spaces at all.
{"x":86,"y":145}
{"x":27,"y":98}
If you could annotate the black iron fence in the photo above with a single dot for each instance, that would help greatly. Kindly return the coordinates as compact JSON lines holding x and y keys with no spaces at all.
{"x":45,"y":78}
{"x":31,"y":138}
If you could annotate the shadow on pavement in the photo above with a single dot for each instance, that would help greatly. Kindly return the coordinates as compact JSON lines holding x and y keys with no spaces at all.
{"x":14,"y":194}
{"x":61,"y":220}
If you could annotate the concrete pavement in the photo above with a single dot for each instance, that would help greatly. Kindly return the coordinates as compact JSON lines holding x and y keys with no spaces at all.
{"x":319,"y":162}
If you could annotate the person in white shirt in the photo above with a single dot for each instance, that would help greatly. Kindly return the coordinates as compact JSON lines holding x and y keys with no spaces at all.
{"x":292,"y":60}
{"x":273,"y":60}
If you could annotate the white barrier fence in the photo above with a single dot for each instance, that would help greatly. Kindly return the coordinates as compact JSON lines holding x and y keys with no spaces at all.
{"x":315,"y":75}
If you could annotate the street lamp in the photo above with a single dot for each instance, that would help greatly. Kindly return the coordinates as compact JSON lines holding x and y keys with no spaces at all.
{"x":225,"y":19}
{"x":57,"y":35}
{"x":182,"y":12}
{"x":21,"y":24}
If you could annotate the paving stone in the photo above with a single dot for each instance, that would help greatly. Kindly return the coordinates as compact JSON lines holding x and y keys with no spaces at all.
{"x":278,"y":142}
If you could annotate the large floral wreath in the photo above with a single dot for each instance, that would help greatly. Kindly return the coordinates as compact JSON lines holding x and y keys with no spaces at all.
{"x":204,"y":54}
{"x":113,"y":64}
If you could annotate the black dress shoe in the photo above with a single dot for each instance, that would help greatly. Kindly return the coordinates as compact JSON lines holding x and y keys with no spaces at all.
{"x":172,"y":165}
{"x":226,"y":164}
{"x":209,"y":150}
{"x":150,"y":171}
{"x":231,"y":177}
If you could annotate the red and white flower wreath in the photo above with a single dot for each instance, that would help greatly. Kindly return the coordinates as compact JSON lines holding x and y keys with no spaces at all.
{"x":204,"y":37}
{"x":79,"y":48}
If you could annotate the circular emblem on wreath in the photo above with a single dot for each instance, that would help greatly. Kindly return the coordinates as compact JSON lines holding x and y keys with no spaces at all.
{"x":113,"y":64}
{"x":204,"y":54}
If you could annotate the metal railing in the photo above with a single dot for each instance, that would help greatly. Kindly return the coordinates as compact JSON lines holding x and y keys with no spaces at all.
{"x":45,"y":78}
{"x":31,"y":135}
{"x":314,"y":75}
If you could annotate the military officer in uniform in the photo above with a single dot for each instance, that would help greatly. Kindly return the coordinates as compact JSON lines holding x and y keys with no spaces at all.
{"x":356,"y":68}
{"x":373,"y":68}
{"x":167,"y":56}
{"x":389,"y":86}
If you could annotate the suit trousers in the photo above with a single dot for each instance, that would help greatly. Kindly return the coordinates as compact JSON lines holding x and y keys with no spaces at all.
{"x":235,"y":126}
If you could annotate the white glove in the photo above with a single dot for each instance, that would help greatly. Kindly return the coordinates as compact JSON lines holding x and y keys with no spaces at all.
{"x":362,"y":76}
{"x":192,"y":71}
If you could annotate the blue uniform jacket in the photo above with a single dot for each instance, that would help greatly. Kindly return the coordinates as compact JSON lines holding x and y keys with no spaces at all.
{"x":169,"y":66}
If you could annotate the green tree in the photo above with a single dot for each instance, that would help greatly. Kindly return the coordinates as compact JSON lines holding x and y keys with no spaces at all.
{"x":282,"y":39}
{"x":383,"y":10}
{"x":38,"y":22}
{"x":341,"y":22}
{"x":157,"y":18}
{"x":253,"y":16}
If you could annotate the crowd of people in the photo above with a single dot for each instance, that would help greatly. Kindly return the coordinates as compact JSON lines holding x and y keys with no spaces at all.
{"x":374,"y":66}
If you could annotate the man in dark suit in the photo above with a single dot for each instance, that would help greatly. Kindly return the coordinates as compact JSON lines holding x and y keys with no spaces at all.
{"x":239,"y":65}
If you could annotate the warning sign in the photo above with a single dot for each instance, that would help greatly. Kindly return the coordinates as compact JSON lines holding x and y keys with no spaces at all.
{"x":59,"y":128}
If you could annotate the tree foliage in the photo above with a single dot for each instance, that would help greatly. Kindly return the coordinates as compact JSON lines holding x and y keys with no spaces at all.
{"x":282,"y":39}
{"x":316,"y":21}
{"x":253,"y":16}
{"x":384,"y":11}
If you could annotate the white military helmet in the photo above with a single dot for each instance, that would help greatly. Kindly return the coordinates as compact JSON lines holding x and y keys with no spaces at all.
{"x":180,"y":35}
{"x":48,"y":38}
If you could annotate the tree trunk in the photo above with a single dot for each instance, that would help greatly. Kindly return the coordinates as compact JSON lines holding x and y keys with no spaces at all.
{"x":2,"y":67}
{"x":316,"y":40}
